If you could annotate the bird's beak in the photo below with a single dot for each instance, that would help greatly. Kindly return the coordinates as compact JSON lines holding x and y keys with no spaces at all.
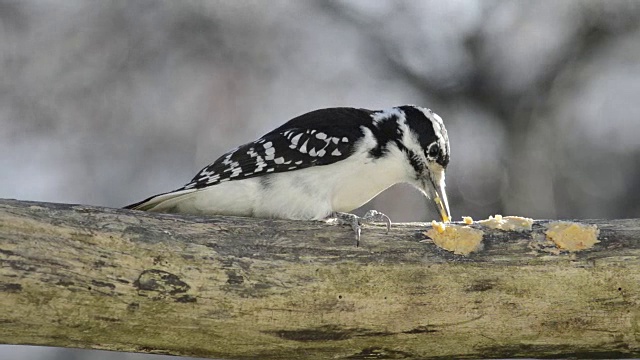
{"x":434,"y":187}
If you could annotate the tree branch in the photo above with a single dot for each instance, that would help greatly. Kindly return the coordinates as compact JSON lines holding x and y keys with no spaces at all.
{"x":98,"y":278}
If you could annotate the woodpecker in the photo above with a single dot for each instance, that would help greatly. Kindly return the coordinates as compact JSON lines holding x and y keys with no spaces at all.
{"x":320,"y":165}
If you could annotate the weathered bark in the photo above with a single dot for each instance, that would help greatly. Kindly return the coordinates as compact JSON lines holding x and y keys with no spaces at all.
{"x":88,"y":277}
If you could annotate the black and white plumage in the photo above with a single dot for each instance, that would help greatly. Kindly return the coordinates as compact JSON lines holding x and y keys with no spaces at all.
{"x":326,"y":161}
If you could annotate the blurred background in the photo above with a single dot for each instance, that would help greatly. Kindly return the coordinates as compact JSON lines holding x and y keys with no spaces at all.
{"x":109,"y":102}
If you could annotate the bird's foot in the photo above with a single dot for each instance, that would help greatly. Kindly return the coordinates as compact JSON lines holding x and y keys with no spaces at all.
{"x":356,"y":221}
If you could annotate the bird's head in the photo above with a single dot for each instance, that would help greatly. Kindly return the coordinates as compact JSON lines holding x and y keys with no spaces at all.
{"x":427,"y":149}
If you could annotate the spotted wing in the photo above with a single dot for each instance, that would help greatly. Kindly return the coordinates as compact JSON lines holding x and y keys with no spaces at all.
{"x":318,"y":138}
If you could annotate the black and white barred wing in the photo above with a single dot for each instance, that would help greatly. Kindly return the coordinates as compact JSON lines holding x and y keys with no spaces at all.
{"x":291,"y":149}
{"x":319,"y":137}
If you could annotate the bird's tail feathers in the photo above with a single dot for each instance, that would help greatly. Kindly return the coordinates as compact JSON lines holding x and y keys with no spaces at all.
{"x":162,"y":202}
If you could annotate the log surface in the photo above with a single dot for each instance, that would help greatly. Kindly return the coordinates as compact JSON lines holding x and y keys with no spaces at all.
{"x":226,"y":287}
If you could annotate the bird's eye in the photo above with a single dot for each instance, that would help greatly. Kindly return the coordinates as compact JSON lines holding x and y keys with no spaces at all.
{"x":434,"y":150}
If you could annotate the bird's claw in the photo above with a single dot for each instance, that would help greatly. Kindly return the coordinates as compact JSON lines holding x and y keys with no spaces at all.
{"x":375,"y":215}
{"x":356,"y":221}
